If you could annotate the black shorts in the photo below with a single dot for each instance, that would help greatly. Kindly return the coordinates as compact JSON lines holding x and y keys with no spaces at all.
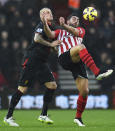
{"x":33,"y":69}
{"x":77,"y":69}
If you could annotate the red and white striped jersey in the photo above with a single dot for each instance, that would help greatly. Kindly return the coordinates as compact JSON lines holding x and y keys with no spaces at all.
{"x":68,"y":39}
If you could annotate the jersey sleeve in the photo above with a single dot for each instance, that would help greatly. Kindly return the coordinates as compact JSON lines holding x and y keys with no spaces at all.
{"x":39,"y":30}
{"x":57,"y":33}
{"x":81,"y":32}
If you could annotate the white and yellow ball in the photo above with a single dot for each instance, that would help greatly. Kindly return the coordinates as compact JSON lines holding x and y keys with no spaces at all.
{"x":90,"y":13}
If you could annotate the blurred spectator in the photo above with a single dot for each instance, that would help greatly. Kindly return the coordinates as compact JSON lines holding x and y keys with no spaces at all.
{"x":74,"y":6}
{"x":17,"y":53}
{"x":105,"y":59}
{"x":106,"y":31}
{"x":6,"y":60}
{"x":92,"y":43}
{"x":2,"y":2}
{"x":4,"y":35}
{"x":111,"y":17}
{"x":2,"y":22}
{"x":3,"y":81}
{"x":15,"y":46}
{"x":17,"y":29}
{"x":3,"y":85}
{"x":108,"y":6}
{"x":91,"y":38}
{"x":24,"y":44}
{"x":44,"y":3}
{"x":4,"y":45}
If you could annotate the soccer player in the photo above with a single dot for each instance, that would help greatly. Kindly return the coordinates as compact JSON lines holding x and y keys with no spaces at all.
{"x":73,"y":55}
{"x":35,"y":66}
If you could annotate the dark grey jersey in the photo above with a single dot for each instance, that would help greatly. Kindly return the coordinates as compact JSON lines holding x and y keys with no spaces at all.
{"x":38,"y":49}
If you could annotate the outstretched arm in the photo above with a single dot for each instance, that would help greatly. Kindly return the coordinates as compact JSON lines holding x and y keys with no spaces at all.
{"x":70,"y":29}
{"x":38,"y":39}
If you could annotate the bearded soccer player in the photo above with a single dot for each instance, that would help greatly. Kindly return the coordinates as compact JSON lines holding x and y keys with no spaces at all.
{"x":35,"y":66}
{"x":73,"y":55}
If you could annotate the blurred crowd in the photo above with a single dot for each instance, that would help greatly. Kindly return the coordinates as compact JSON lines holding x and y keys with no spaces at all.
{"x":100,"y":39}
{"x":18,"y":19}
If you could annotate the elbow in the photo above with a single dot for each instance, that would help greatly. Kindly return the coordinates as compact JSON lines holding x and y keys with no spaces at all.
{"x":51,"y":37}
{"x":76,"y":34}
{"x":36,"y":40}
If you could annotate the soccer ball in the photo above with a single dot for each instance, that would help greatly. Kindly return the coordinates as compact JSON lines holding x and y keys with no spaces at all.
{"x":90,"y":13}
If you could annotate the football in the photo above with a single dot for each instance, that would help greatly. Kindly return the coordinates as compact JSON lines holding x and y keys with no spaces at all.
{"x":90,"y":13}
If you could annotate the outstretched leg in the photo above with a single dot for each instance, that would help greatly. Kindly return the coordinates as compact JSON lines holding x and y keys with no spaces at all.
{"x":14,"y":101}
{"x":86,"y":58}
{"x":81,"y":52}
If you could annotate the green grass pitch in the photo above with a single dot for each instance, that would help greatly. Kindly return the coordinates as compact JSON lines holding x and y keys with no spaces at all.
{"x":95,"y":120}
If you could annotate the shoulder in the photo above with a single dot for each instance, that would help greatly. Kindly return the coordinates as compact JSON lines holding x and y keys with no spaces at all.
{"x":81,"y":28}
{"x":57,"y":32}
{"x":39,"y":28}
{"x":40,"y":24}
{"x":81,"y":31}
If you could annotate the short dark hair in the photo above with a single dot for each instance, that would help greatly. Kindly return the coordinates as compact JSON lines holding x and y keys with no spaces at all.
{"x":69,"y":17}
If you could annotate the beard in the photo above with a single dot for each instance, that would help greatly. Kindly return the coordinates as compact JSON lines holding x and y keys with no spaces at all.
{"x":74,"y":25}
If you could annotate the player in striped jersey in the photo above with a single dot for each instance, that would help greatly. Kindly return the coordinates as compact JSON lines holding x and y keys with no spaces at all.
{"x":72,"y":56}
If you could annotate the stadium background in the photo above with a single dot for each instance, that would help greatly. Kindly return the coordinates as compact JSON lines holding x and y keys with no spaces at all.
{"x":18,"y":19}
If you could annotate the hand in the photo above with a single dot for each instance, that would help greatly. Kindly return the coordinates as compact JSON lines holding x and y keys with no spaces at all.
{"x":44,"y":20}
{"x":56,"y":43}
{"x":61,"y":21}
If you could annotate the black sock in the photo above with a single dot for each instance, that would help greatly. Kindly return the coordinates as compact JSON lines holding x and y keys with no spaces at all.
{"x":46,"y":100}
{"x":14,"y":101}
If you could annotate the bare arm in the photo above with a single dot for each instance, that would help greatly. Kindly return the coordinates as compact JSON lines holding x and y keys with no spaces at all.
{"x":49,"y":33}
{"x":70,"y":29}
{"x":38,"y":39}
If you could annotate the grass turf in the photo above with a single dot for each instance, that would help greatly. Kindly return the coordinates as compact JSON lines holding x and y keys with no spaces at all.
{"x":95,"y":120}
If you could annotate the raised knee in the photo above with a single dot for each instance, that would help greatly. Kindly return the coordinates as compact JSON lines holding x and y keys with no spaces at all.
{"x":51,"y":85}
{"x":22,"y":89}
{"x":76,"y":49}
{"x":81,"y":47}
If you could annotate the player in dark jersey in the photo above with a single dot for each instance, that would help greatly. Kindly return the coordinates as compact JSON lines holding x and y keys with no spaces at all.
{"x":35,"y":67}
{"x":73,"y":55}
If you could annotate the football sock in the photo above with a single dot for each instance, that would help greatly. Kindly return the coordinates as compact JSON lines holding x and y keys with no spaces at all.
{"x":81,"y":103}
{"x":88,"y":60}
{"x":14,"y":101}
{"x":46,"y":100}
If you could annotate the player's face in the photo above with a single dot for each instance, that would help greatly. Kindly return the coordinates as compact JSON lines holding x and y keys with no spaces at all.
{"x":48,"y":15}
{"x":74,"y":21}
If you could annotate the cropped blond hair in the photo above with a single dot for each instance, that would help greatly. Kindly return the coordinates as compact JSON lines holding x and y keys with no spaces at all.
{"x":42,"y":10}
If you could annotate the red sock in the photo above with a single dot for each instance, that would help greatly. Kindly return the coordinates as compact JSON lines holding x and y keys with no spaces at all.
{"x":88,"y":60}
{"x":81,"y":103}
